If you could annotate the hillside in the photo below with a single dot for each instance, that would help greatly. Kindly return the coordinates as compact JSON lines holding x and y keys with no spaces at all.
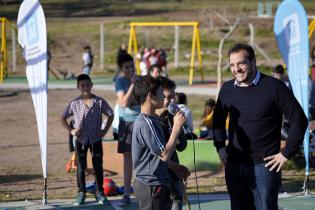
{"x":73,"y":24}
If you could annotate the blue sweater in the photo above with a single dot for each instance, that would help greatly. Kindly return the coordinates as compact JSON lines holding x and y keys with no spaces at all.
{"x":255,"y":120}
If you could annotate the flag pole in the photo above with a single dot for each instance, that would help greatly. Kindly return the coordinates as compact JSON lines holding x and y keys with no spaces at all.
{"x":45,"y":192}
{"x":306,"y":185}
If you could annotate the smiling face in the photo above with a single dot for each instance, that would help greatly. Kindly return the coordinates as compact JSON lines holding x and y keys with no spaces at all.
{"x":85,"y":87}
{"x":242,"y":68}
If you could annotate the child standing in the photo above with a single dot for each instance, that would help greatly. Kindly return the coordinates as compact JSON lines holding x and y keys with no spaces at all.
{"x":151,"y":152}
{"x":128,"y":111}
{"x":87,"y":110}
{"x":87,"y":59}
{"x":206,"y":120}
{"x":181,"y":100}
{"x":178,"y":173}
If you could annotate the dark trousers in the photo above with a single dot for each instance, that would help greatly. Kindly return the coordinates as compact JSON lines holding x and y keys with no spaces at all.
{"x":152,"y":197}
{"x":252,"y":186}
{"x":177,"y":194}
{"x":96,"y":150}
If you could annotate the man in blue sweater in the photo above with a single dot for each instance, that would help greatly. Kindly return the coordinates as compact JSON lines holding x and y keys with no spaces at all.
{"x":255,"y":104}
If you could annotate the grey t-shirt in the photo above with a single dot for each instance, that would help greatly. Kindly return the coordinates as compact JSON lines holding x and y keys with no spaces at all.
{"x":148,"y":142}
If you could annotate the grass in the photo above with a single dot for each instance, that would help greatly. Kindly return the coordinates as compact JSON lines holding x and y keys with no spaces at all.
{"x":77,"y":30}
{"x":4,"y":196}
{"x":76,"y":8}
{"x":207,"y":158}
{"x":174,"y":5}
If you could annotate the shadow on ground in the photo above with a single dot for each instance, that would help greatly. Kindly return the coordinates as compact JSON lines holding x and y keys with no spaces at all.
{"x":94,"y":206}
{"x":295,"y":185}
{"x":6,"y":179}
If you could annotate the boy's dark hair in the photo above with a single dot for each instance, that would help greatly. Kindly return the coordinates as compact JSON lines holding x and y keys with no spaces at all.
{"x":145,"y":85}
{"x":278,"y":69}
{"x":87,"y":48}
{"x":181,"y":98}
{"x":154,"y":66}
{"x":167,"y":83}
{"x":122,"y":58}
{"x":247,"y":48}
{"x":83,"y":77}
{"x":210,"y":102}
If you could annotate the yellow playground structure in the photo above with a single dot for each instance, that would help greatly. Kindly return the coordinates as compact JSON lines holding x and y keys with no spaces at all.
{"x":3,"y":50}
{"x":311,"y":29}
{"x":6,"y":25}
{"x":195,"y":42}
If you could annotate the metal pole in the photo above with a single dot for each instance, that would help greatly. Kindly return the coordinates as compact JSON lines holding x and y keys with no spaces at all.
{"x":101,"y":46}
{"x":192,"y":59}
{"x":306,"y":185}
{"x":13,"y":51}
{"x":1,"y":50}
{"x":176,"y":46}
{"x":45,"y":192}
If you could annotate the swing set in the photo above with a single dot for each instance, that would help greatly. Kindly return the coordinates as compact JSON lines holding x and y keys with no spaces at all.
{"x":133,"y":44}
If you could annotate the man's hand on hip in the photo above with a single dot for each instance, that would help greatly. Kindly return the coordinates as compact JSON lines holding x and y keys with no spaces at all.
{"x":275,"y":161}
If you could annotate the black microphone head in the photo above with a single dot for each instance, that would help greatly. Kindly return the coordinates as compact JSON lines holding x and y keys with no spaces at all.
{"x":173,"y":108}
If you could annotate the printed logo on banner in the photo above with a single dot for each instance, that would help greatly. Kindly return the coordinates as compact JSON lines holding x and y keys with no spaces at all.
{"x":291,"y":26}
{"x":32,"y":30}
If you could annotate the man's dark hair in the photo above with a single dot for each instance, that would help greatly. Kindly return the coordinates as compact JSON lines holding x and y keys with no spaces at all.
{"x":278,"y":69}
{"x":210,"y":102}
{"x":181,"y":98}
{"x":87,"y":48}
{"x":122,"y":58}
{"x":83,"y":77}
{"x":143,"y":86}
{"x":247,"y":48}
{"x":167,"y":83}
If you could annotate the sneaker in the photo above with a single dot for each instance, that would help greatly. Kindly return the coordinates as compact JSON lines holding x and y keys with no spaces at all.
{"x":125,"y":201}
{"x":80,"y":199}
{"x":101,"y":198}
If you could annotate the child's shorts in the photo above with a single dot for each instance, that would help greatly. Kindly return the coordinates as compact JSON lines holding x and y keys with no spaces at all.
{"x":124,"y":136}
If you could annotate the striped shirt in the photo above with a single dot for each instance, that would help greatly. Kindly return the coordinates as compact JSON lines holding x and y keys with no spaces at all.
{"x":148,"y":142}
{"x":88,"y":119}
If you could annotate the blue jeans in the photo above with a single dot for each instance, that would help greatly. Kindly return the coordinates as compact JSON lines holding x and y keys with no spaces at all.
{"x":252,"y":186}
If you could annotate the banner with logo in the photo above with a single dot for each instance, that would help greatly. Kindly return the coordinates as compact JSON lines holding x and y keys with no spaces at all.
{"x":32,"y":37}
{"x":291,"y":31}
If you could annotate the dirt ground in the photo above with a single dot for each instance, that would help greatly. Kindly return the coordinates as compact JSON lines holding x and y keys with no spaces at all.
{"x":20,"y":165}
{"x":20,"y":168}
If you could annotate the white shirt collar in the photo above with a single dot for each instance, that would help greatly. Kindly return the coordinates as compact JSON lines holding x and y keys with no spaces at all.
{"x":253,"y":83}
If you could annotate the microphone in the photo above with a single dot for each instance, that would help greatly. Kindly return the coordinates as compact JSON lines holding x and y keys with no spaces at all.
{"x":173,"y":109}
